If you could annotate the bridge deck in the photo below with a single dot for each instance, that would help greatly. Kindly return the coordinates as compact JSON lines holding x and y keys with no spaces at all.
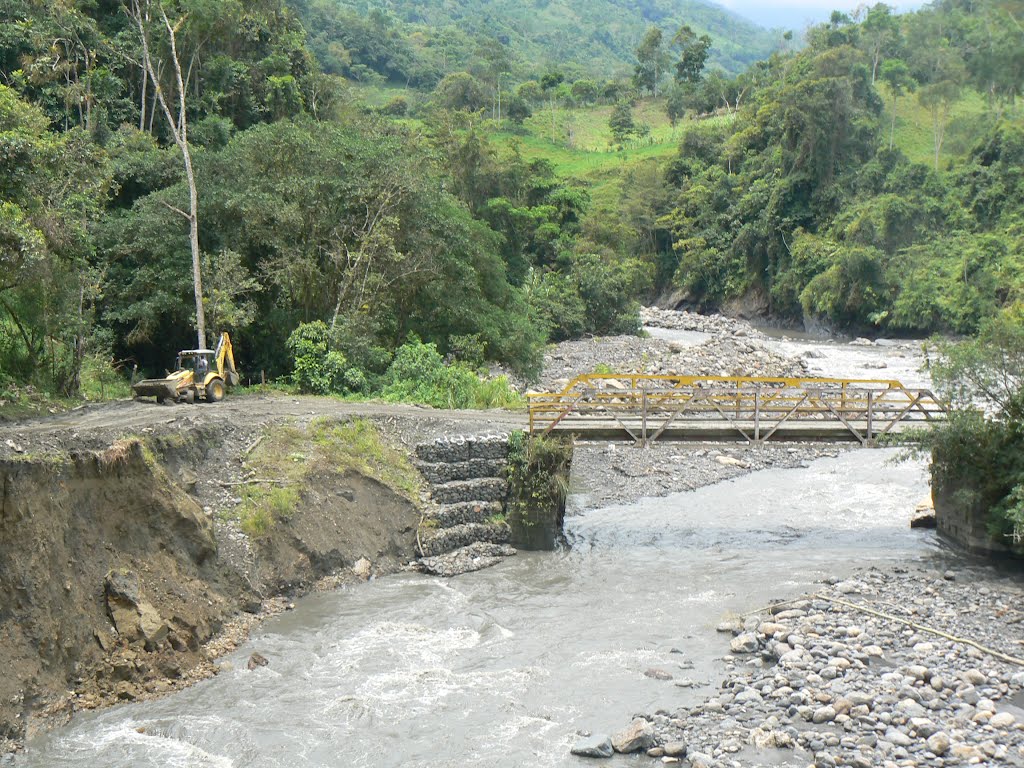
{"x":647,"y":408}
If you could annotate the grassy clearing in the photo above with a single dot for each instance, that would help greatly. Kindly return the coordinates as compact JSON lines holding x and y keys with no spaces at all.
{"x":968,"y":119}
{"x":288,"y":455}
{"x":589,"y":153}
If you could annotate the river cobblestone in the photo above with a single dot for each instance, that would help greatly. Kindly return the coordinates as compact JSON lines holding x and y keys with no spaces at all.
{"x":853,"y":675}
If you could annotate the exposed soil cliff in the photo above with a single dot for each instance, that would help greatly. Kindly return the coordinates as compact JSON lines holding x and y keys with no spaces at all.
{"x":123,"y":575}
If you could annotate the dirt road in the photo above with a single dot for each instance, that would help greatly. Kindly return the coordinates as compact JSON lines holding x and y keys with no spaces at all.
{"x":97,"y":426}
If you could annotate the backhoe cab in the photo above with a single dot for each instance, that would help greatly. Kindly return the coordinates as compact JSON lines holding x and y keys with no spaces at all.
{"x":200,"y":374}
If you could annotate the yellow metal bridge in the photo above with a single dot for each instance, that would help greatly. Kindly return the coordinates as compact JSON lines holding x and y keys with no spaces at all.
{"x":645,"y":408}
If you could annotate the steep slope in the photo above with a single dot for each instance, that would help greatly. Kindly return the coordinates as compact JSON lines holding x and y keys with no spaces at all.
{"x":595,"y":37}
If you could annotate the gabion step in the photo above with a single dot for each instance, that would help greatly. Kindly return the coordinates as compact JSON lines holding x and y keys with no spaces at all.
{"x":480,"y":489}
{"x":449,"y":539}
{"x":445,"y":472}
{"x":449,"y":515}
{"x":455,"y":449}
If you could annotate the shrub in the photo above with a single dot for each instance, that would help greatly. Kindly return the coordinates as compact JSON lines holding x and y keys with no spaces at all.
{"x":418,"y":374}
{"x":980,"y":450}
{"x":317,"y":368}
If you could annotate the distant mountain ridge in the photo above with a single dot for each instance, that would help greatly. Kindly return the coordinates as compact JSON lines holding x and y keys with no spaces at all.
{"x":596,"y":37}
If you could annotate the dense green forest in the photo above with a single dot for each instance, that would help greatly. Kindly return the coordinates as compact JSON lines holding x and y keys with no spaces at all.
{"x":380,"y":189}
{"x":417,"y":42}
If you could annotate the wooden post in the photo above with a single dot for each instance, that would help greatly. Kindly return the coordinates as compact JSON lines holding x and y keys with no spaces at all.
{"x":643,"y":423}
{"x":757,"y":414}
{"x":871,"y":396}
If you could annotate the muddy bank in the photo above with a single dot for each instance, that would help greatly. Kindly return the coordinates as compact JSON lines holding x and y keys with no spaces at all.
{"x":894,"y":666}
{"x":128,"y":570}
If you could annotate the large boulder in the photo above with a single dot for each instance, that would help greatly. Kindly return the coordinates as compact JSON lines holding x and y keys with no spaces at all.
{"x":135,"y":620}
{"x":597,"y":745}
{"x":637,"y":737}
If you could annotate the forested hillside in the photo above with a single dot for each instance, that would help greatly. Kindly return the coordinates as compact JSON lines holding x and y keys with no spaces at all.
{"x":417,"y":42}
{"x":352,"y":228}
{"x":807,"y":204}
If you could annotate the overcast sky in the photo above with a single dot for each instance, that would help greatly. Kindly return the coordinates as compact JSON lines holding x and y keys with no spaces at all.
{"x":796,"y":14}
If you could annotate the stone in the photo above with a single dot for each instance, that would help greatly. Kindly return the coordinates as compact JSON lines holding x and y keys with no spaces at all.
{"x":745,"y":643}
{"x":918,"y":672}
{"x":257,"y":660}
{"x":748,"y":696}
{"x":1002,"y":720}
{"x":824,"y":714}
{"x":104,"y":640}
{"x":729,"y":461}
{"x":362,"y":568}
{"x":152,"y":627}
{"x":701,"y":760}
{"x":938,"y":743}
{"x":657,"y":674}
{"x":974,"y":677}
{"x":986,"y":705}
{"x":676,"y":749}
{"x":598,"y":745}
{"x":897,"y":737}
{"x":923,"y":726}
{"x":911,"y":708}
{"x":638,"y":736}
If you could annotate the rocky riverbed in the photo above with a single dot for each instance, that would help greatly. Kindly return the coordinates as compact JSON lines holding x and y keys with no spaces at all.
{"x":895,"y":667}
{"x":719,"y":356}
{"x":619,"y":473}
{"x":681,"y":320}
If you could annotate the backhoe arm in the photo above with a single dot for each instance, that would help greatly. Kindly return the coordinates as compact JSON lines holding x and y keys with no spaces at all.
{"x":226,"y":360}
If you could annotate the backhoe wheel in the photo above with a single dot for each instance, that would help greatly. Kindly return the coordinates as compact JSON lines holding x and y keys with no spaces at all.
{"x":215,"y":391}
{"x":188,"y":396}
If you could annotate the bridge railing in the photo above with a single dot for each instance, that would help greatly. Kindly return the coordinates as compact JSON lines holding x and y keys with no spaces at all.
{"x":755,"y":408}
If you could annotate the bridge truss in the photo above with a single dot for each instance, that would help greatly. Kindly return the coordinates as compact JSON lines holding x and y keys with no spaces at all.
{"x":646,"y":408}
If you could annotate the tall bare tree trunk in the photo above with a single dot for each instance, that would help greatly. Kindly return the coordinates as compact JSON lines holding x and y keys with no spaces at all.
{"x":139,"y":11}
{"x":142,"y":100}
{"x":892,"y":127}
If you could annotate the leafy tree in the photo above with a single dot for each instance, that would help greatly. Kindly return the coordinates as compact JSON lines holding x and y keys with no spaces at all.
{"x":518,"y":109}
{"x":880,"y":34}
{"x":621,"y":122}
{"x":317,"y":368}
{"x":585,"y":91}
{"x":549,"y":84}
{"x":651,"y":61}
{"x":460,"y":90}
{"x":896,"y":74}
{"x":978,"y":454}
{"x":52,"y":189}
{"x":938,"y":97}
{"x":693,"y":54}
{"x":675,"y":105}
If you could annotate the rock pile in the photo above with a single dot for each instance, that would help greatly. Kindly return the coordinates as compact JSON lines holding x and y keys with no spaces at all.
{"x":720,"y":356}
{"x":681,"y":320}
{"x":850,"y":676}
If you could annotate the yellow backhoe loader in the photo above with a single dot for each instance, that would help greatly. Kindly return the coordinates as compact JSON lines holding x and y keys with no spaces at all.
{"x":194,"y":377}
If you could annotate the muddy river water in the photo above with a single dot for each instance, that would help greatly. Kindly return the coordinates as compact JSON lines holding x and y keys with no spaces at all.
{"x":503,"y":667}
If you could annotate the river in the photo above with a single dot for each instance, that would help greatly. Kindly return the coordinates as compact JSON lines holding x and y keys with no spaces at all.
{"x":503,"y":666}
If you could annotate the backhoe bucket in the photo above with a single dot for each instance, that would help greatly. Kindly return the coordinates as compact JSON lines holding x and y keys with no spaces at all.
{"x":158,"y":388}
